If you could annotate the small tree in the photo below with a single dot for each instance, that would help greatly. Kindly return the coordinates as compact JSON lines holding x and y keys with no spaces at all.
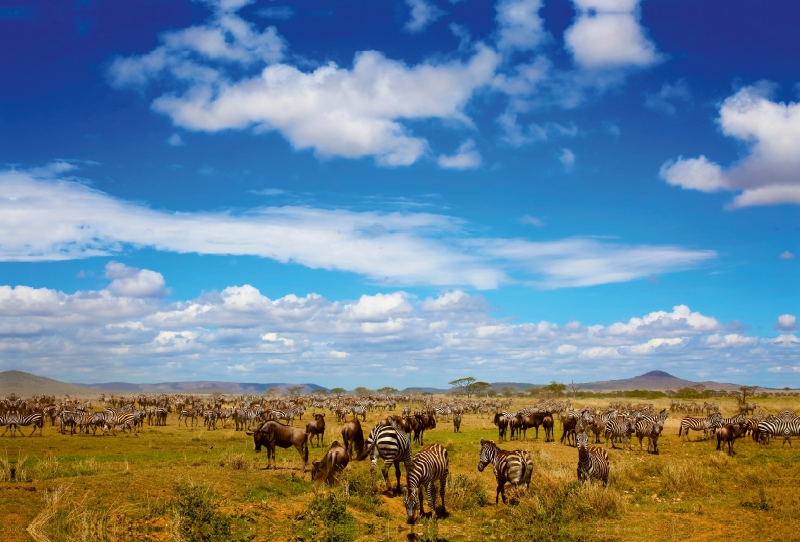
{"x":479,"y":388}
{"x":338,"y":391}
{"x":295,"y":390}
{"x":463,"y":384}
{"x":508,"y":391}
{"x":744,"y":391}
{"x":361,"y":391}
{"x":555,"y":388}
{"x":574,"y":388}
{"x":273,"y":391}
{"x":492,"y":393}
{"x":320,"y":392}
{"x":387,"y":390}
{"x":533,"y":391}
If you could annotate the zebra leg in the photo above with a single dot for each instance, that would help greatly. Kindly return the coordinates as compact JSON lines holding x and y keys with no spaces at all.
{"x":442,"y":484}
{"x":385,"y":472}
{"x":397,"y":474}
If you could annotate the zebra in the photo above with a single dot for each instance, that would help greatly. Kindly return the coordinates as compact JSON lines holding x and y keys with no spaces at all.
{"x":114,"y":417}
{"x":699,"y":424}
{"x":210,"y":419}
{"x":592,"y":460}
{"x":187,"y":413}
{"x":647,"y":427}
{"x":279,"y":415}
{"x":443,"y":410}
{"x":392,"y":444}
{"x":774,"y":426}
{"x":429,"y":465}
{"x":513,"y":466}
{"x":359,"y":410}
{"x":621,"y":428}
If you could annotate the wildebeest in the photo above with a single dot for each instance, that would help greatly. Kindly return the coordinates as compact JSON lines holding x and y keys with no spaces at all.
{"x":729,"y":434}
{"x":353,"y":436}
{"x":332,"y":464}
{"x":569,"y":425}
{"x":424,"y":421}
{"x":502,"y":424}
{"x":547,"y":425}
{"x":316,"y":427}
{"x":457,"y":422}
{"x":271,"y":434}
{"x":527,"y":421}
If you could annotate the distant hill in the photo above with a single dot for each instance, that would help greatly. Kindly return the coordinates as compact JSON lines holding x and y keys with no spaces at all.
{"x":653,"y":381}
{"x":201,"y":386}
{"x":26,"y":384}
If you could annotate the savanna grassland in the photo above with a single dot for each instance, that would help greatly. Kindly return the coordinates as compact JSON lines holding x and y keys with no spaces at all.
{"x":179,"y":483}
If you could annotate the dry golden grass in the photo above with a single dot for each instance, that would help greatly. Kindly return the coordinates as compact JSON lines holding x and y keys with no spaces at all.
{"x":169,"y":480}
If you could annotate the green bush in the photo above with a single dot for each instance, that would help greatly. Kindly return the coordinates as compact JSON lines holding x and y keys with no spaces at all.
{"x":196,"y":514}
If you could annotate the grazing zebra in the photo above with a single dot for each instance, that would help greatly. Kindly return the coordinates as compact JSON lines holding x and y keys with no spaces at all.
{"x":429,"y":465}
{"x":699,"y":424}
{"x":592,"y":460}
{"x":392,"y":444}
{"x":457,"y":422}
{"x":513,"y":466}
{"x":406,"y":411}
{"x":774,"y":426}
{"x":279,"y":415}
{"x":210,"y":419}
{"x":438,"y":411}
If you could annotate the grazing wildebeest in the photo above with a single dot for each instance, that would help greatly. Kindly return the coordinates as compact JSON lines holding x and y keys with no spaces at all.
{"x":569,"y":425}
{"x":333,"y":463}
{"x":353,"y":436}
{"x":424,"y":421}
{"x":502,"y":424}
{"x":316,"y":427}
{"x":547,"y":425}
{"x":271,"y":434}
{"x":729,"y":434}
{"x":457,"y":422}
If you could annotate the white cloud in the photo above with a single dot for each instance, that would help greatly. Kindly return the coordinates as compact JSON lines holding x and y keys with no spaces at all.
{"x":532,"y":220}
{"x":768,"y":175}
{"x":566,"y":349}
{"x":338,"y":355}
{"x":786,"y":322}
{"x":600,"y":352}
{"x":519,"y":25}
{"x":334,"y":111}
{"x":786,"y":255}
{"x":132,"y":282}
{"x":533,"y":133}
{"x":378,"y":307}
{"x":732,"y":340}
{"x":176,"y":140}
{"x":607,"y":35}
{"x":786,"y":341}
{"x":567,"y":159}
{"x":654,"y":345}
{"x":281,"y":13}
{"x":662,"y":101}
{"x":423,"y":13}
{"x":680,"y":321}
{"x":456,"y":301}
{"x":46,"y":220}
{"x":467,"y":157}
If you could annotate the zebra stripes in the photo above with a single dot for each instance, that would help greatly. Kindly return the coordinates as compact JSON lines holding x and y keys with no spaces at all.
{"x":390,"y":443}
{"x":430,"y":465}
{"x":619,"y":428}
{"x":514,"y":467}
{"x":775,"y":427}
{"x":14,"y":421}
{"x":592,"y":460}
{"x":712,"y":422}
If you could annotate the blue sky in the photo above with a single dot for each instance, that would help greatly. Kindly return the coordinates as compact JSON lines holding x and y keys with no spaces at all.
{"x":404,"y":193}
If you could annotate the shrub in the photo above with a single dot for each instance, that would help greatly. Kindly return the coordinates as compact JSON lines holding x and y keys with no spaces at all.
{"x":195,"y":514}
{"x":465,"y":493}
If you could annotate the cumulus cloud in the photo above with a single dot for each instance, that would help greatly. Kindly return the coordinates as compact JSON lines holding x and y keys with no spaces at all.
{"x":335,"y":111}
{"x":663,"y":100}
{"x":768,"y":175}
{"x":133,"y":282}
{"x":46,"y":219}
{"x":518,"y":135}
{"x":732,"y":340}
{"x":466,"y":157}
{"x":786,"y":322}
{"x":422,"y":14}
{"x":295,"y":336}
{"x":607,"y":35}
{"x":519,"y":26}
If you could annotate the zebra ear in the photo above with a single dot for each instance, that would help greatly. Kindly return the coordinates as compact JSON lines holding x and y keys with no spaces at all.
{"x":483,"y":442}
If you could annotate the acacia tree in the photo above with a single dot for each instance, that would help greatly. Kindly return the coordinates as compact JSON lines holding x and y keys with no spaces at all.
{"x":463,"y":384}
{"x":555,"y":388}
{"x":362,"y":391}
{"x":744,"y":391}
{"x":387,"y":390}
{"x":338,"y":391}
{"x":320,"y":392}
{"x":272,"y":391}
{"x":479,"y":388}
{"x":295,"y":390}
{"x":574,"y":388}
{"x":508,"y":391}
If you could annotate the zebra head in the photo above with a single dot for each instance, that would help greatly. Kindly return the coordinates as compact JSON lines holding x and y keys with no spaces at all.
{"x":582,"y":440}
{"x":488,"y":453}
{"x":410,"y":502}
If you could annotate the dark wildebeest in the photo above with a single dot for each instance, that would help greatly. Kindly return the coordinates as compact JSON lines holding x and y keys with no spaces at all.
{"x":424,"y":421}
{"x":457,"y":422}
{"x":502,"y":424}
{"x":316,"y":427}
{"x":353,"y":436}
{"x":332,"y":464}
{"x":569,"y":430}
{"x":547,"y":425}
{"x":729,"y":434}
{"x":272,"y":434}
{"x":526,"y":422}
